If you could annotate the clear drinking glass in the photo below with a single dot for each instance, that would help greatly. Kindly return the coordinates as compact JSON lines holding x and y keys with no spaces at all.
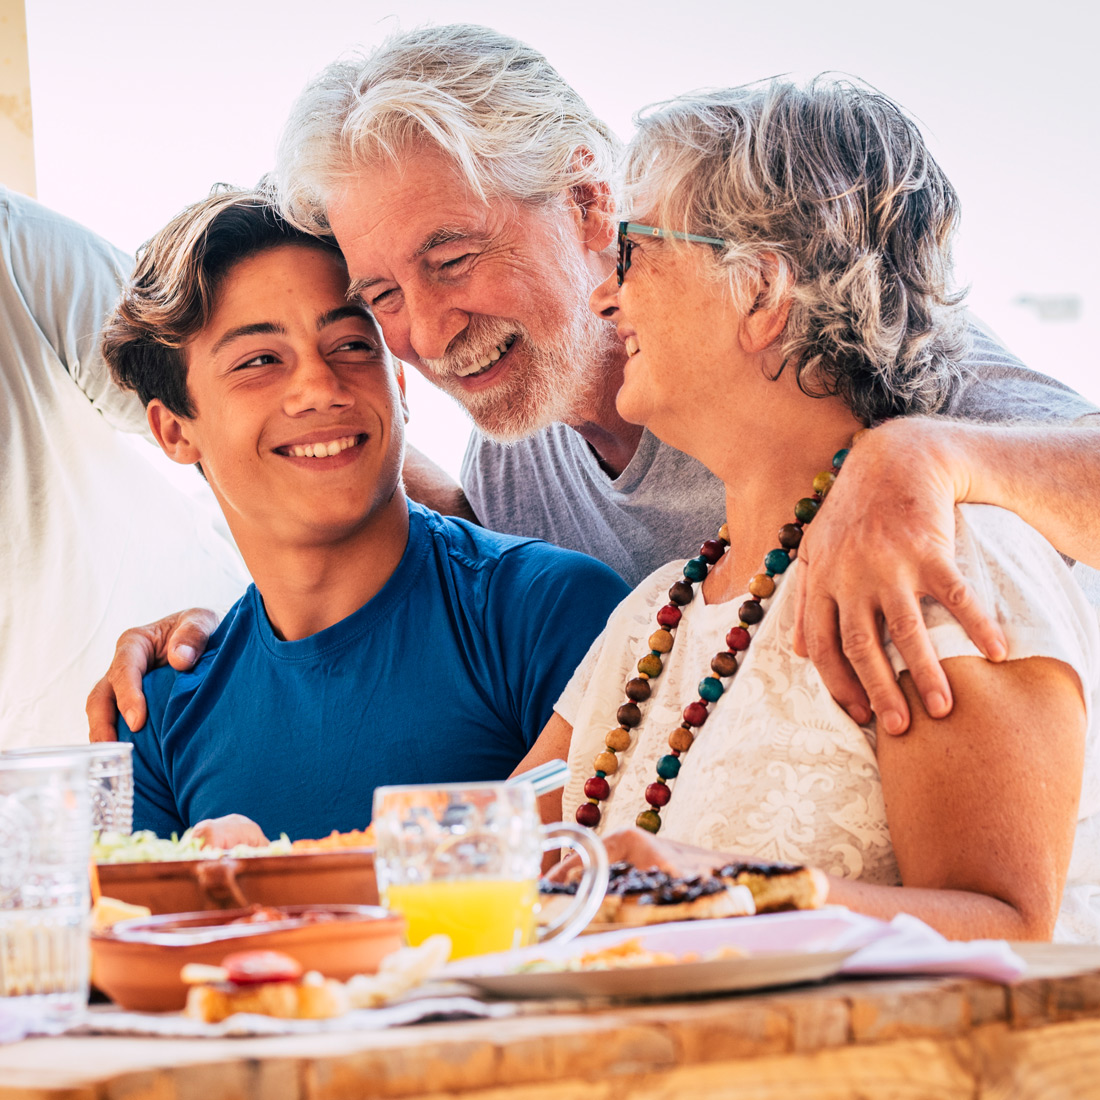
{"x":464,"y":859}
{"x":45,"y":845}
{"x":110,"y":781}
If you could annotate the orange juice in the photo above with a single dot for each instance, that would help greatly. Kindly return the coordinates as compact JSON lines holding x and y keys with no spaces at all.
{"x":480,"y":915}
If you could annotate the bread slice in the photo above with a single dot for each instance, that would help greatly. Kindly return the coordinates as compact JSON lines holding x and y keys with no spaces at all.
{"x":308,"y":999}
{"x":727,"y":901}
{"x":777,"y":886}
{"x":637,"y":898}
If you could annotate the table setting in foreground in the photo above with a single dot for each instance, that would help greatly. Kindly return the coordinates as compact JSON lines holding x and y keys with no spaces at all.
{"x":345,"y":961}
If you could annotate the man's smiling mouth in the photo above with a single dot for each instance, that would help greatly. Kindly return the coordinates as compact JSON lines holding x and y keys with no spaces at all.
{"x":480,"y":367}
{"x":321,"y":450}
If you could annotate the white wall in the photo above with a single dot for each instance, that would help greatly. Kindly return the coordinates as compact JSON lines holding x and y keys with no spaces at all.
{"x":140,"y":105}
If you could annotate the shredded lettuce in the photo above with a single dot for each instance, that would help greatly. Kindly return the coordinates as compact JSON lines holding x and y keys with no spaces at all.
{"x":145,"y":846}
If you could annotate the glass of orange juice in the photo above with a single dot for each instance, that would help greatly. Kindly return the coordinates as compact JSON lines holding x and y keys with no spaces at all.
{"x":463,"y":859}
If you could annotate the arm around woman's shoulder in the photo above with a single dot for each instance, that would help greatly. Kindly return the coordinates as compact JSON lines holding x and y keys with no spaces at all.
{"x":982,"y":804}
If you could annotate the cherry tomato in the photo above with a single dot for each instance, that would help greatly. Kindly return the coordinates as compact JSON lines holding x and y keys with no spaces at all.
{"x":250,"y":967}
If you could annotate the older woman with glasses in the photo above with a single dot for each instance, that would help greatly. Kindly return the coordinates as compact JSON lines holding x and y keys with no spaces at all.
{"x":783,"y":285}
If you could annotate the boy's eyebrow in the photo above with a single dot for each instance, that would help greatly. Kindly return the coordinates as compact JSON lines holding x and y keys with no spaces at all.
{"x":259,"y":328}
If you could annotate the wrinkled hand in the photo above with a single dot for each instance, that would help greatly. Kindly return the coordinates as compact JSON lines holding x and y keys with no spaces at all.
{"x":884,"y":538}
{"x":178,"y":640}
{"x":646,"y":852}
{"x":229,"y":831}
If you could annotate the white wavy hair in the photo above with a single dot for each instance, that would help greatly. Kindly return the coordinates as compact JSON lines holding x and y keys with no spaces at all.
{"x":492,"y":104}
{"x":829,"y":191}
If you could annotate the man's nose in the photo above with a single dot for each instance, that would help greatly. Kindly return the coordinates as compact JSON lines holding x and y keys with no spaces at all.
{"x":604,"y":300}
{"x":433,"y":323}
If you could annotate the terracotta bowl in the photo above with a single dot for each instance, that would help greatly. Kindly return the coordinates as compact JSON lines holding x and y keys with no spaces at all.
{"x":182,"y":886}
{"x":137,"y":964}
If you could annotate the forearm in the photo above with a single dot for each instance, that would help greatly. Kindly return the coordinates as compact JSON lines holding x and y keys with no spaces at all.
{"x":431,"y":485}
{"x":1046,"y":473}
{"x":957,"y":914}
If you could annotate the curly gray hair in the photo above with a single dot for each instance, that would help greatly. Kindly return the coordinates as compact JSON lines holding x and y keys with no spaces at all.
{"x":829,"y":191}
{"x":492,"y":104}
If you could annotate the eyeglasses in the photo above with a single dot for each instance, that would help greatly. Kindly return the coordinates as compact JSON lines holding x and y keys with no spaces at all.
{"x":626,"y":245}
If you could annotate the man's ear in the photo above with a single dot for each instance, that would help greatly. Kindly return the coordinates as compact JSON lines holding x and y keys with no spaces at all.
{"x":173,"y":433}
{"x":767,"y":318}
{"x":592,"y":207}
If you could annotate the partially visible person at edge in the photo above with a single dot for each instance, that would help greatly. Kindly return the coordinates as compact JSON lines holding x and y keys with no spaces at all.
{"x":787,"y":266}
{"x":380,"y":642}
{"x":96,"y":536}
{"x":469,"y":188}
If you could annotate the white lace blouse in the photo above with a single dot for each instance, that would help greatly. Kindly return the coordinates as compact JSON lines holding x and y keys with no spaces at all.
{"x":779,"y":770}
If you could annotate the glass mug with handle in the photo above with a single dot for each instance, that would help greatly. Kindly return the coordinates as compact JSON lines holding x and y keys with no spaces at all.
{"x":464,"y":859}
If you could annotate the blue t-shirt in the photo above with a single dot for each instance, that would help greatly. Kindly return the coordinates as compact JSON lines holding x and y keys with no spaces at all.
{"x":447,"y":675}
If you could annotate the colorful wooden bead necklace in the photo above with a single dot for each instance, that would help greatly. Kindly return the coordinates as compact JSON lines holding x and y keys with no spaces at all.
{"x":723,"y":665}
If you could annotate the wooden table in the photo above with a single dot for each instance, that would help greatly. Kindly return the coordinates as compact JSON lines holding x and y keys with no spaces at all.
{"x":876,"y":1039}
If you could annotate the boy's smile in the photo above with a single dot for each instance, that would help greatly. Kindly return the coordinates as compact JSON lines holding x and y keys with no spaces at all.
{"x":299,"y":410}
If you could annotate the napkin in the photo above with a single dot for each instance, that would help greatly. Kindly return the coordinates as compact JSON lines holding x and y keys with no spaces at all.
{"x":909,"y":946}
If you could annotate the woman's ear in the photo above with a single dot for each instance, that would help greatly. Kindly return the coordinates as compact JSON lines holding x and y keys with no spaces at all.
{"x":767,"y":318}
{"x":172,"y":432}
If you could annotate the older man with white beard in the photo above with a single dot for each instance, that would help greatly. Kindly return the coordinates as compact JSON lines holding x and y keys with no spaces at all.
{"x":469,"y":188}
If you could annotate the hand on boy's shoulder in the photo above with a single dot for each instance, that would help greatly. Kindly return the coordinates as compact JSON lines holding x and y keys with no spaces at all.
{"x":178,"y":640}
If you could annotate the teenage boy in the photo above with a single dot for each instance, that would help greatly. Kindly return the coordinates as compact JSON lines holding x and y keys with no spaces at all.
{"x":380,"y":643}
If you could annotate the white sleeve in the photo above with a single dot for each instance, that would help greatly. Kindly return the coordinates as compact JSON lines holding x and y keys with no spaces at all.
{"x":1023,"y":583}
{"x":69,"y":280}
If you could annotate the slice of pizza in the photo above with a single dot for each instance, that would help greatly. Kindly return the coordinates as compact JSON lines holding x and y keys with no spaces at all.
{"x":777,"y":886}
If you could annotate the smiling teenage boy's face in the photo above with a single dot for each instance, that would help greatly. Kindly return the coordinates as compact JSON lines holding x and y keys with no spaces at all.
{"x":299,"y":421}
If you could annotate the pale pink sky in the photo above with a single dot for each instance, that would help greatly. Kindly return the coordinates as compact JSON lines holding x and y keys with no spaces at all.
{"x":140,"y":105}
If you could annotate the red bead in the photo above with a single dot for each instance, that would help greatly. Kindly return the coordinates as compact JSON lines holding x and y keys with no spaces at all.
{"x":669,"y":616}
{"x":597,"y":788}
{"x":695,"y":714}
{"x":712,"y":550}
{"x":588,"y":815}
{"x":658,"y":794}
{"x":738,"y":638}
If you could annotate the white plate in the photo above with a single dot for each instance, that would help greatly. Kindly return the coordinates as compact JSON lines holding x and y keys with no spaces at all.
{"x":783,"y":949}
{"x":662,"y":982}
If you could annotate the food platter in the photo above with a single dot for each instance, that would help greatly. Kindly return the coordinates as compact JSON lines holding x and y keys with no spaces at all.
{"x":137,"y":964}
{"x":779,"y":949}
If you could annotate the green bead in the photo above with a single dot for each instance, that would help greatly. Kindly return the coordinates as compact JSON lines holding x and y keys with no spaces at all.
{"x":839,"y":457}
{"x":806,"y":509}
{"x":650,"y":820}
{"x":776,"y":561}
{"x":668,"y":767}
{"x":710,"y":689}
{"x":601,"y":775}
{"x":695,"y":569}
{"x":650,"y":665}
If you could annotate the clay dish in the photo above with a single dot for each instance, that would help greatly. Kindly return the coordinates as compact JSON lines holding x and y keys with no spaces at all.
{"x":344,"y":877}
{"x":137,"y":964}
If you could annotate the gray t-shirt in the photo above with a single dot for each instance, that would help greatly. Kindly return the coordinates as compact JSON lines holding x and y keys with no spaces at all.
{"x":665,"y":503}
